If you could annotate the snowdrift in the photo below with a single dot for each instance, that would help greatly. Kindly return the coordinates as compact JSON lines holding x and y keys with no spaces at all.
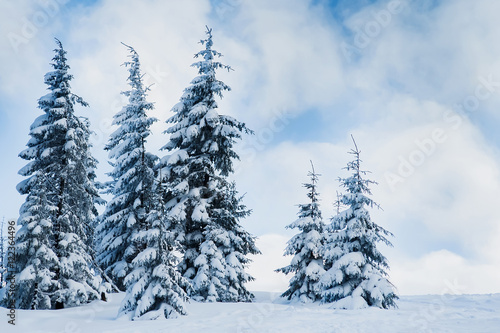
{"x":269,"y":313}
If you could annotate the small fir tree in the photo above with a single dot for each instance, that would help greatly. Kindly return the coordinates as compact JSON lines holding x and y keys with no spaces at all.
{"x":356,"y":275}
{"x":307,"y":263}
{"x":155,"y":289}
{"x":223,"y":253}
{"x":201,"y":145}
{"x":126,"y":214}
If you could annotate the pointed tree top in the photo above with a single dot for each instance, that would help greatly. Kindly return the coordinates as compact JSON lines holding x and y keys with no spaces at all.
{"x":338,"y":202}
{"x":314,"y":176}
{"x":131,"y":49}
{"x":58,"y":42}
{"x":208,"y":41}
{"x":60,"y":51}
{"x":209,"y":31}
{"x":134,"y":56}
{"x":356,"y":150}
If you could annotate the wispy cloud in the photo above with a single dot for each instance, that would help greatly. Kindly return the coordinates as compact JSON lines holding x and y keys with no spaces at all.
{"x":398,"y":88}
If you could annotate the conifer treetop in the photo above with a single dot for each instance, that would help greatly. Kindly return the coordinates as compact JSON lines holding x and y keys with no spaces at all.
{"x":133,"y":120}
{"x":313,"y":193}
{"x":135,"y":78}
{"x":198,"y":129}
{"x":208,"y":56}
{"x":356,"y":185}
{"x":58,"y":82}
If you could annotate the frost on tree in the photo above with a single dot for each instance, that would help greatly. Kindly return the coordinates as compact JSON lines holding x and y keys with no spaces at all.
{"x":132,"y":181}
{"x":36,"y":259}
{"x":223,"y":252}
{"x":356,"y":274}
{"x":307,"y":263}
{"x":214,"y":245}
{"x":155,"y":288}
{"x":54,"y":264}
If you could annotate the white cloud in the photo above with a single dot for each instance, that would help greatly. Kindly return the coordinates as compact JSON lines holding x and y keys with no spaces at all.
{"x":444,"y":272}
{"x":273,"y":178}
{"x":431,"y":54}
{"x":287,"y":58}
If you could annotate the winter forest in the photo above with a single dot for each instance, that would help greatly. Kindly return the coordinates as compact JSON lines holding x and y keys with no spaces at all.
{"x":249,"y":166}
{"x":171,"y":230}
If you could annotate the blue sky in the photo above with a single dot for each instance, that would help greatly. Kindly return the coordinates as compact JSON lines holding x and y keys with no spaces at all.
{"x":308,"y":74}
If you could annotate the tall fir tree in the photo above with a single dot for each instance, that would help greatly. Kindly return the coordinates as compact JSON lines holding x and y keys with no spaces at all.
{"x":356,"y":271}
{"x":306,"y":246}
{"x":132,"y":182}
{"x":54,"y":265}
{"x":214,"y":245}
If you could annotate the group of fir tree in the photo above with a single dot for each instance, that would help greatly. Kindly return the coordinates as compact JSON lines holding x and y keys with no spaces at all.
{"x":340,"y":263}
{"x":181,"y":204}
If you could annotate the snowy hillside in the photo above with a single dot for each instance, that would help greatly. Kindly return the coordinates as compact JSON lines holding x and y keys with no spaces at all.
{"x":458,"y":313}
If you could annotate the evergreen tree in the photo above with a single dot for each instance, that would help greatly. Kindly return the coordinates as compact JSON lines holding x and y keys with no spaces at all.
{"x":214,"y":245}
{"x":307,"y":263}
{"x":221,"y":264}
{"x":53,"y":257}
{"x":132,"y":180}
{"x":155,"y":289}
{"x":356,"y":274}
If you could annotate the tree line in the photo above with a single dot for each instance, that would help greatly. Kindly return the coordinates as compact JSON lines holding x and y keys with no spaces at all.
{"x":68,"y":255}
{"x":171,"y":230}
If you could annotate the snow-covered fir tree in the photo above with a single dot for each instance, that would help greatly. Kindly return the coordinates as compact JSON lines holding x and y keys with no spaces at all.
{"x":132,"y":181}
{"x":307,"y":263}
{"x":214,"y":244}
{"x":53,"y":259}
{"x":223,"y":253}
{"x":34,"y":241}
{"x":356,"y":272}
{"x":155,"y":288}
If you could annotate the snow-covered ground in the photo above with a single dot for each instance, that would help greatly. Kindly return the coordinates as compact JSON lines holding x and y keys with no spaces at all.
{"x":457,"y":313}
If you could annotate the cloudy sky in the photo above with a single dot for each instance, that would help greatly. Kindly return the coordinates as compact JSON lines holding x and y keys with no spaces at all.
{"x":416,"y":82}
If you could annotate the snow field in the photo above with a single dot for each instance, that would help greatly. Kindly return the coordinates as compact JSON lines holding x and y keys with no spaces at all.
{"x":271,"y":314}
